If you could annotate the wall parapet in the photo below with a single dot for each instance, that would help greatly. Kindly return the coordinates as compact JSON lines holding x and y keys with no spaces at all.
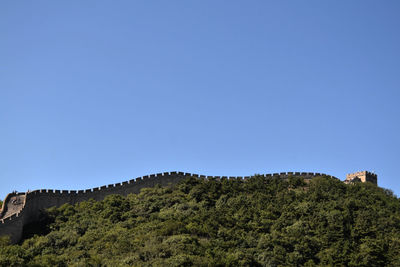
{"x":41,"y":199}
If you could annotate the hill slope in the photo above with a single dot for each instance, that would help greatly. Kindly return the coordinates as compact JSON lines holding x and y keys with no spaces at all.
{"x":265,"y":222}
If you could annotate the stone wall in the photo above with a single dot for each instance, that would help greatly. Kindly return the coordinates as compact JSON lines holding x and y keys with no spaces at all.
{"x":362,"y":176}
{"x":39,"y":200}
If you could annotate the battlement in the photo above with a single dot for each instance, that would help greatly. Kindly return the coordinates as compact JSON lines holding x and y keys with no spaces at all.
{"x":361,"y":176}
{"x":20,"y":209}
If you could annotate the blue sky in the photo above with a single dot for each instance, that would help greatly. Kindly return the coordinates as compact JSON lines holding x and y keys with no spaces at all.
{"x":99,"y":92}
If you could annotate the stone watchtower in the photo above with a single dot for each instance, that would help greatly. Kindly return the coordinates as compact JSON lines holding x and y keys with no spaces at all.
{"x":363,"y":176}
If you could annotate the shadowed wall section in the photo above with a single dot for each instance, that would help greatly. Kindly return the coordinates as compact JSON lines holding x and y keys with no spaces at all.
{"x":34,"y":202}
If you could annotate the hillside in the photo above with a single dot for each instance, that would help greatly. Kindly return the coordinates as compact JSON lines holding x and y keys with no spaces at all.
{"x":259,"y":222}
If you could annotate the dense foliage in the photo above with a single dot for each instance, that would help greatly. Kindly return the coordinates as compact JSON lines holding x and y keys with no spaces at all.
{"x":260,"y":222}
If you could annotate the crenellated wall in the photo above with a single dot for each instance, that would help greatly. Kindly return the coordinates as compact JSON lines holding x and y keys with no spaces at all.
{"x":39,"y":200}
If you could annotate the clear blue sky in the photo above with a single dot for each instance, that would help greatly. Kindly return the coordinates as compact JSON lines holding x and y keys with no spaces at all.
{"x":99,"y":92}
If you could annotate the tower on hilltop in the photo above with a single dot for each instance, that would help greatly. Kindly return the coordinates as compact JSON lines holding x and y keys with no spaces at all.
{"x":363,"y":176}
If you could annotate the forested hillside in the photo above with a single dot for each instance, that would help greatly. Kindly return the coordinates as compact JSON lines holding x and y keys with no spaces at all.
{"x":260,"y":222}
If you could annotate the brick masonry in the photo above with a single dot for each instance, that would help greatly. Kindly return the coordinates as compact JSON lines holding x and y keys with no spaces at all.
{"x":20,"y":209}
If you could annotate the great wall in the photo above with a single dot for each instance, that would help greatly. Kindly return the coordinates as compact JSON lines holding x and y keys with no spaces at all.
{"x":20,"y":209}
